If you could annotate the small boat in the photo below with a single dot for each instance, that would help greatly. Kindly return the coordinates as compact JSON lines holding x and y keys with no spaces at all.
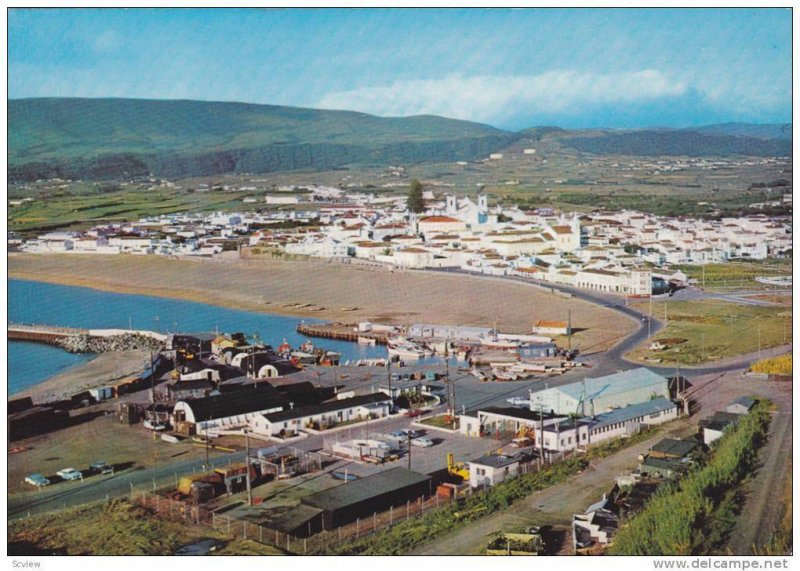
{"x":307,"y":347}
{"x":343,"y":475}
{"x":404,"y":351}
{"x":366,"y":341}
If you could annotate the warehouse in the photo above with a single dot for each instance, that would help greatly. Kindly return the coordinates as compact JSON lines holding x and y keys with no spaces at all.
{"x":229,"y":409}
{"x":362,"y":498}
{"x":596,"y":396}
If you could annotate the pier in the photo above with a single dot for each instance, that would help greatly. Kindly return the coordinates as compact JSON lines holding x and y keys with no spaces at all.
{"x":340,"y":332}
{"x":42,"y":333}
{"x":52,"y":334}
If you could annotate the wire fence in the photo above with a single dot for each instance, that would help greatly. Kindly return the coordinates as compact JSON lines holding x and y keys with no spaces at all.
{"x":325,"y":541}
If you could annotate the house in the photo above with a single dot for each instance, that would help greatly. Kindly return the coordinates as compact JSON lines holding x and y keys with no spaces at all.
{"x":542,"y":327}
{"x":595,"y":396}
{"x":430,"y":225}
{"x":671,"y":448}
{"x":742,"y":405}
{"x":321,"y":416}
{"x":492,"y":469}
{"x":564,"y":435}
{"x":715,"y":426}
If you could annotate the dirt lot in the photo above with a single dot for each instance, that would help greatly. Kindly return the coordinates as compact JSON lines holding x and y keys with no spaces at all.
{"x":377,"y":294}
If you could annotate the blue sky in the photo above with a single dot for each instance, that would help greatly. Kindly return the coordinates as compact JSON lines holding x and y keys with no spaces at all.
{"x":509,"y":68}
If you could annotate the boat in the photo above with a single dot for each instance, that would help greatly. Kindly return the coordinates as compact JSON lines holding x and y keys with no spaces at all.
{"x":404,"y":351}
{"x":366,"y":341}
{"x":504,"y":375}
{"x":284,"y":349}
{"x":307,"y":347}
{"x":304,"y":358}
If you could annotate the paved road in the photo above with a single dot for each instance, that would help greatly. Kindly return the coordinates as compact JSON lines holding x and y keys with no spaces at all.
{"x":471,"y":393}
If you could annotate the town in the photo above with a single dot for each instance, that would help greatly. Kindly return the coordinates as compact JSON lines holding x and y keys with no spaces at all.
{"x":624,"y":252}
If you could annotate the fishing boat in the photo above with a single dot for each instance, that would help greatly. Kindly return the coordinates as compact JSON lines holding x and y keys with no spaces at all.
{"x":366,"y":341}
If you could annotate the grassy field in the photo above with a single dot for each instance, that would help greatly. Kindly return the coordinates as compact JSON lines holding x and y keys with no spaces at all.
{"x":737,"y":275}
{"x":711,"y":330}
{"x":82,"y":208}
{"x":114,"y":528}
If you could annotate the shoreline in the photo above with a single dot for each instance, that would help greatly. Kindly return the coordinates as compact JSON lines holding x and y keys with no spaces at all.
{"x":96,"y":372}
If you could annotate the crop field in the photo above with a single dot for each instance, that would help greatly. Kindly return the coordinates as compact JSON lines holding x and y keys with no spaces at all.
{"x":81,"y":210}
{"x":709,"y":330}
{"x":114,"y":528}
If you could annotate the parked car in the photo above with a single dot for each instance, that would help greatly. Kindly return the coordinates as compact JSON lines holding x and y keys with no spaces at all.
{"x":37,"y":480}
{"x":101,"y":467}
{"x":413,"y":413}
{"x":399,"y":434}
{"x":69,"y":474}
{"x":422,"y":442}
{"x":413,"y":433}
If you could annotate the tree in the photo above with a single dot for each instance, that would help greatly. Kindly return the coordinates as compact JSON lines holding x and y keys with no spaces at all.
{"x":415,"y":202}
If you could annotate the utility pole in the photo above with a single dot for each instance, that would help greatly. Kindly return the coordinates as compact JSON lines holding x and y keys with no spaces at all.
{"x":569,"y":330}
{"x":247,"y":466}
{"x":206,"y":431}
{"x":666,"y":321}
{"x":408,"y":434}
{"x":759,"y":342}
{"x":389,"y":378}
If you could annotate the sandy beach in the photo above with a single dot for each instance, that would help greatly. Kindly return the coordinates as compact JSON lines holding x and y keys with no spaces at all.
{"x":100,"y":371}
{"x":330,"y":291}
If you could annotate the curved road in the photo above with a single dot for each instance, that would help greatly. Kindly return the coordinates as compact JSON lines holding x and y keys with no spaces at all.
{"x":611,"y":361}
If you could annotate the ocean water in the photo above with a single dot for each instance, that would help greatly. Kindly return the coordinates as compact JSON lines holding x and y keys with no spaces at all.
{"x":41,"y":303}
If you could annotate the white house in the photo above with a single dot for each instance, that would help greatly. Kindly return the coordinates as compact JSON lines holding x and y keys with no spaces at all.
{"x":321,"y":416}
{"x":492,"y":469}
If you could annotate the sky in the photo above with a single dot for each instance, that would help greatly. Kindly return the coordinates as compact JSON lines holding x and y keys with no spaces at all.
{"x":510,"y":68}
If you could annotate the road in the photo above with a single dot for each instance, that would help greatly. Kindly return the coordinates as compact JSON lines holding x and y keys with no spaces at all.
{"x":555,"y":505}
{"x":471,"y":393}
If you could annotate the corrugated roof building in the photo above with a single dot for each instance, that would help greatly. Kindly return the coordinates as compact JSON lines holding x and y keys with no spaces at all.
{"x":595,"y":396}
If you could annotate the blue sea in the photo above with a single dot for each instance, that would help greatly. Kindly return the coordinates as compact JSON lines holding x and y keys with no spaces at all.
{"x":41,"y":303}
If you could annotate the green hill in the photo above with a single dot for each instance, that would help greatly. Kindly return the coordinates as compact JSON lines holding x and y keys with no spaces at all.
{"x":107,"y":138}
{"x":669,"y":142}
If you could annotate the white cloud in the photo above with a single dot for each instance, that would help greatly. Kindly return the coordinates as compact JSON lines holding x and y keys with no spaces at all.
{"x":488,"y":98}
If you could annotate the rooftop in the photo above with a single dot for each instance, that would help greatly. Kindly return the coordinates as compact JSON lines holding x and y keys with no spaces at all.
{"x":633,"y":411}
{"x":365,"y":488}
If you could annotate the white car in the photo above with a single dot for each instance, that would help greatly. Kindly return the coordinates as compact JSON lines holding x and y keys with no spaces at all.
{"x":422,"y":442}
{"x":37,"y":480}
{"x":69,"y":474}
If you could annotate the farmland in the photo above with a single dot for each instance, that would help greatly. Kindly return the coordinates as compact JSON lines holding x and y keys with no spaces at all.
{"x":708,"y":330}
{"x":736,"y":274}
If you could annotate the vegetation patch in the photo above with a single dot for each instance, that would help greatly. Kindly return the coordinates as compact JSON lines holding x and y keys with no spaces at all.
{"x":117,"y":527}
{"x":781,"y":365}
{"x":716,"y":330}
{"x":696,"y":515}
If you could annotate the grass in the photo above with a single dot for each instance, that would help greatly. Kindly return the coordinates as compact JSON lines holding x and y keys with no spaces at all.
{"x":715,"y":330}
{"x":113,"y":528}
{"x":781,"y":541}
{"x":736,"y":274}
{"x":439,"y":421}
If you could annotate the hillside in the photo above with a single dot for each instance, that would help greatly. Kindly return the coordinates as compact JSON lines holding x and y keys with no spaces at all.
{"x":107,"y":138}
{"x":667,"y":142}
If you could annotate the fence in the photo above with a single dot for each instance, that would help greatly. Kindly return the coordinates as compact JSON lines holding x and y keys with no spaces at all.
{"x":320,"y":543}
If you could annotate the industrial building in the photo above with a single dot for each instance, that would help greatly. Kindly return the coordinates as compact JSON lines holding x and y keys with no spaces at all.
{"x":358,"y":499}
{"x":595,"y":396}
